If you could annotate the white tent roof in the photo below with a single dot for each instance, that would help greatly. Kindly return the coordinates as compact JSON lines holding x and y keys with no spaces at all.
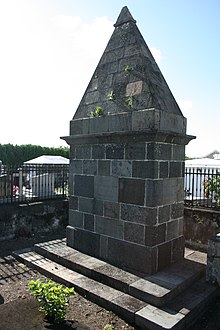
{"x":203,"y":162}
{"x":48,"y":159}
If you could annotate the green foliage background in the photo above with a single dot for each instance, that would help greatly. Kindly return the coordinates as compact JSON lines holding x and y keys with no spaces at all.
{"x":14,"y":155}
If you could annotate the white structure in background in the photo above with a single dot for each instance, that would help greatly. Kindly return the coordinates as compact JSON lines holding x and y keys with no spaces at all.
{"x":194,"y":184}
{"x":43,"y":184}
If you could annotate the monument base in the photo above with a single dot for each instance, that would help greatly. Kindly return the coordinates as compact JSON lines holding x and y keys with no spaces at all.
{"x":136,"y":257}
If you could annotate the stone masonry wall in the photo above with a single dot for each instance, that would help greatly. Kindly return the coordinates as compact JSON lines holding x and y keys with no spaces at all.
{"x":130,"y":193}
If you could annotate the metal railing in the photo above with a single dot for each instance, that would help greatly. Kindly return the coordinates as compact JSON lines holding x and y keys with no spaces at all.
{"x":202,"y":188}
{"x":33,"y":183}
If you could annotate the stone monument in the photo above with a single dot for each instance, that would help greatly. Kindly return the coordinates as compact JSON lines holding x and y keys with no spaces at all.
{"x":127,"y":147}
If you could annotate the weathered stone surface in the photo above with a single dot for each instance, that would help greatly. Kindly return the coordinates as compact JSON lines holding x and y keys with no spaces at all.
{"x":76,"y":166}
{"x":83,"y":152}
{"x":98,"y":151}
{"x":135,"y":151}
{"x":131,"y":191}
{"x":86,"y":204}
{"x":73,"y":202}
{"x":109,"y":227}
{"x":104,"y":167}
{"x":111,"y":210}
{"x":76,"y":218}
{"x":134,"y":232}
{"x":158,"y":151}
{"x":84,"y":185}
{"x":139,"y":214}
{"x":163,"y":169}
{"x":145,"y":169}
{"x":121,"y":168}
{"x":88,"y":221}
{"x":106,"y":188}
{"x":90,"y":166}
{"x":175,"y":169}
{"x":164,"y":213}
{"x":155,"y":235}
{"x":114,"y":151}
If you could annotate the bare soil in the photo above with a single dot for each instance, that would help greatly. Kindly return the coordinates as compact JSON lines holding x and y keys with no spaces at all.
{"x":81,"y":314}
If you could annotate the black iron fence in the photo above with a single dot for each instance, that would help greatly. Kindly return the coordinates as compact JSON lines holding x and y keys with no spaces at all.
{"x":33,"y":183}
{"x":202,"y":188}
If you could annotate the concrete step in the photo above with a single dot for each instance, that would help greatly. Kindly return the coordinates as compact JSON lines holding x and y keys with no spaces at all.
{"x":178,"y":314}
{"x":157,"y":289}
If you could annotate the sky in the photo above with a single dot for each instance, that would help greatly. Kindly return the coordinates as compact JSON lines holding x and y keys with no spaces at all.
{"x":49,"y":50}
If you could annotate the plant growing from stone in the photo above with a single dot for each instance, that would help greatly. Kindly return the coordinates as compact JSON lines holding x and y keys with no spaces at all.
{"x":110,"y":96}
{"x":129,"y":101}
{"x":127,"y":68}
{"x":53,"y":298}
{"x":98,"y":111}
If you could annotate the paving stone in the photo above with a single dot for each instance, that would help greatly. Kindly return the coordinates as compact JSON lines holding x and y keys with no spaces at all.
{"x":155,"y":318}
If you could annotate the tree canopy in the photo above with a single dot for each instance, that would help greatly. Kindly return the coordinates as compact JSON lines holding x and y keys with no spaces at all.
{"x":15,"y":155}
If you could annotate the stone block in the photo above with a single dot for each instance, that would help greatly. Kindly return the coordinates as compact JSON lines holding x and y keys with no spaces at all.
{"x":163,"y":170}
{"x":135,"y":151}
{"x":75,"y":218}
{"x":164,"y":213}
{"x":159,"y":151}
{"x":114,"y":151}
{"x":175,"y":169}
{"x":178,"y":248}
{"x":145,"y":120}
{"x":85,"y":241}
{"x":98,"y":124}
{"x":154,"y":193}
{"x":76,"y":126}
{"x":85,"y":125}
{"x":88,"y":221}
{"x":90,"y":166}
{"x":134,"y":232}
{"x":145,"y":169}
{"x":83,"y":152}
{"x":178,"y":152}
{"x":120,"y":122}
{"x":124,"y":254}
{"x":98,"y":207}
{"x":86,"y":204}
{"x":76,"y":166}
{"x":111,"y":210}
{"x":171,"y":122}
{"x":72,"y":152}
{"x":73,"y":202}
{"x":155,"y":235}
{"x":103,"y":247}
{"x":98,"y":151}
{"x":164,"y":255}
{"x":84,"y":186}
{"x":121,"y":168}
{"x":104,"y":167}
{"x":173,"y":230}
{"x":106,"y":188}
{"x":177,"y":210}
{"x":131,"y":191}
{"x":139,"y":214}
{"x":109,"y":227}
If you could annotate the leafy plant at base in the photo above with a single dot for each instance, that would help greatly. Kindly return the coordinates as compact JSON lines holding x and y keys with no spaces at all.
{"x":108,"y":327}
{"x":53,"y":298}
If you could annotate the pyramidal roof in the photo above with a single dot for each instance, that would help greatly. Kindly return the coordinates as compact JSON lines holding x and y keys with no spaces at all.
{"x":127,"y":77}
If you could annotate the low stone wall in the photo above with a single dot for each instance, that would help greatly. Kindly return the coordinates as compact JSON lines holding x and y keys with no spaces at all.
{"x":199,"y":226}
{"x":17,"y":220}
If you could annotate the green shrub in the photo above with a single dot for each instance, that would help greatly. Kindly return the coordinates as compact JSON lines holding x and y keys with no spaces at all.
{"x":53,"y":298}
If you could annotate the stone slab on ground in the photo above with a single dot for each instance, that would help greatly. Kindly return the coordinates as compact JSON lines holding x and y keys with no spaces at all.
{"x":156,"y":289}
{"x":179,"y":313}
